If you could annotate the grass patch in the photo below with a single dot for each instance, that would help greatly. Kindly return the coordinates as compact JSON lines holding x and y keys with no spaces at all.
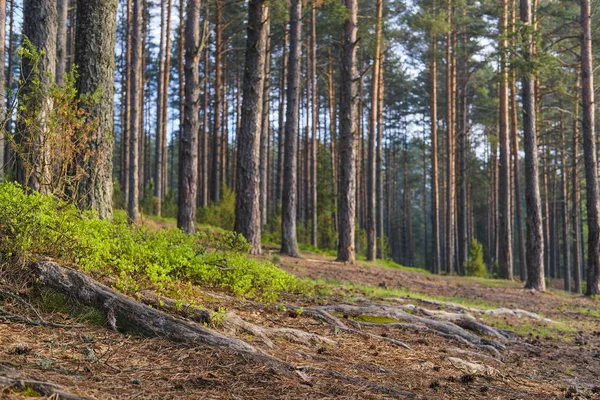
{"x":32,"y":226}
{"x":27,"y":391}
{"x":394,"y":265}
{"x":305,"y":247}
{"x":563,"y":331}
{"x":374,"y":319}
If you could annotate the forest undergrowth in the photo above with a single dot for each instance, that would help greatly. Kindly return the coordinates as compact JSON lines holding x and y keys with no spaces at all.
{"x":97,"y":309}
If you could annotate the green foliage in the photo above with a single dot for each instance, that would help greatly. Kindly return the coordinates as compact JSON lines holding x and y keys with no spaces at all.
{"x":221,"y":214}
{"x":35,"y":226}
{"x":50,"y":301}
{"x":360,"y":241}
{"x":474,"y":266}
{"x":169,"y":205}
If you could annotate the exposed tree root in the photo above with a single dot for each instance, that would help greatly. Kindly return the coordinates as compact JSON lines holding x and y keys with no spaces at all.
{"x":498,"y":312}
{"x":195,"y":313}
{"x":126,"y":314}
{"x":10,"y":379}
{"x":444,"y":327}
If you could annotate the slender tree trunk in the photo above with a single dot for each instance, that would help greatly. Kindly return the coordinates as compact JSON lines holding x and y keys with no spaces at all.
{"x":8,"y":160}
{"x":181,"y":73}
{"x":216,"y":156}
{"x":135,"y":129}
{"x":449,"y":237}
{"x":347,"y":201}
{"x":205,"y":112}
{"x":565,"y":210}
{"x":289,"y":244}
{"x":372,"y":162}
{"x":462,"y":237}
{"x":533,"y":202}
{"x":188,"y":149}
{"x":504,"y":215}
{"x":95,"y":58}
{"x":589,"y":151}
{"x":332,"y":137}
{"x":380,"y":122}
{"x":39,"y":26}
{"x":314,"y":122}
{"x":161,"y":92}
{"x":265,"y":117}
{"x":281,"y":119}
{"x":126,"y":139}
{"x":575,"y":199}
{"x":435,"y":207}
{"x":61,"y":40}
{"x":248,"y":205}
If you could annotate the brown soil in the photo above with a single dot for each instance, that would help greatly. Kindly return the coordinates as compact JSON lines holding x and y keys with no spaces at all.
{"x":99,"y":363}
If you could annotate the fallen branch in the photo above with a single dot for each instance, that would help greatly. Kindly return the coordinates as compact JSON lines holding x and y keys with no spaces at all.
{"x":10,"y":379}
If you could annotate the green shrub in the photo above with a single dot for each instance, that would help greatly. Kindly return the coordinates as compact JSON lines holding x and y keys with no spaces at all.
{"x":221,"y":214}
{"x":34,"y":226}
{"x":474,"y":266}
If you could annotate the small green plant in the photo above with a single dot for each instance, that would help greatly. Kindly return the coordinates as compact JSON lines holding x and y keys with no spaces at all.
{"x":220,"y":214}
{"x":218,"y":317}
{"x":474,"y":266}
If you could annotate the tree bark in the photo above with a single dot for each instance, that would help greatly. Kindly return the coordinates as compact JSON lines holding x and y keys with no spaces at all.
{"x":95,"y":57}
{"x":575,"y":197}
{"x":372,"y":161}
{"x":504,"y":215}
{"x":566,"y":249}
{"x":61,"y":41}
{"x":533,"y":202}
{"x":314,"y":122}
{"x":589,"y":151}
{"x":3,"y":128}
{"x":348,"y":136}
{"x":39,"y":26}
{"x":435,"y":207}
{"x":289,"y":243}
{"x":248,"y":180}
{"x":264,"y":108}
{"x":216,"y":156}
{"x":135,"y":130}
{"x":450,"y":148}
{"x":188,"y":149}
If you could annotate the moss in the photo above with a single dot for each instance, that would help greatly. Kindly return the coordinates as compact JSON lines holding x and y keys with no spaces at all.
{"x":51,"y":301}
{"x":27,"y":391}
{"x":374,"y":319}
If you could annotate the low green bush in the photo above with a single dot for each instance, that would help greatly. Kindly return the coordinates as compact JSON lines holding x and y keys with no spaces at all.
{"x":221,"y":214}
{"x":35,"y":226}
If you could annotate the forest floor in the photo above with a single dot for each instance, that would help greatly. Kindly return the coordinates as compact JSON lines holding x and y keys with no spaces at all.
{"x":539,"y":359}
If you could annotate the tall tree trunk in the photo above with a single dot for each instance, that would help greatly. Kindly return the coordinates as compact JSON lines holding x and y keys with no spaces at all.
{"x":435,"y":207}
{"x":332,"y":137}
{"x":575,"y":198}
{"x":314,"y":122}
{"x":380,"y":144}
{"x":504,"y":215}
{"x":61,"y":40}
{"x":216,"y":156}
{"x":449,"y":237}
{"x":565,"y":210}
{"x":95,"y":57}
{"x":589,"y":152}
{"x":248,"y":206}
{"x":289,"y":243}
{"x":8,"y":161}
{"x":462,"y":236}
{"x":188,"y":149}
{"x":372,"y":162}
{"x":126,"y":137}
{"x":265,"y":117}
{"x":515,"y":154}
{"x":39,"y":26}
{"x":533,"y":202}
{"x":181,"y":74}
{"x":205,"y":112}
{"x":135,"y":130}
{"x":161,"y":92}
{"x":281,"y":119}
{"x":347,"y":148}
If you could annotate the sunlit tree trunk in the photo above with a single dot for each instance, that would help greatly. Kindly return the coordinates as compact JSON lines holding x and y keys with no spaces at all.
{"x":348,"y":136}
{"x":248,"y":199}
{"x":95,"y":57}
{"x":289,"y":244}
{"x":188,"y":149}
